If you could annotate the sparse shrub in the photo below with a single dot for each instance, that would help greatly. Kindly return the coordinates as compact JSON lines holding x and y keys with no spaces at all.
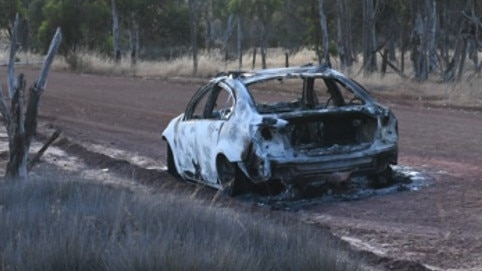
{"x":74,"y":61}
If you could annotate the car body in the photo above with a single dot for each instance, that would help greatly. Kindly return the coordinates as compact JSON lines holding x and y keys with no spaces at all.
{"x":297,"y":126}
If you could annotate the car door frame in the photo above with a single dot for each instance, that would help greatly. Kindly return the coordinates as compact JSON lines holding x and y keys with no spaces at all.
{"x":200,"y":155}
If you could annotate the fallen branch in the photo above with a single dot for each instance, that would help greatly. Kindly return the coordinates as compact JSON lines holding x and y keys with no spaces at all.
{"x":391,"y":65}
{"x":36,"y":158}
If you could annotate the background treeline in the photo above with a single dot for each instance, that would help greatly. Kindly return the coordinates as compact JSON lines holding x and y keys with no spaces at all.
{"x":441,"y":37}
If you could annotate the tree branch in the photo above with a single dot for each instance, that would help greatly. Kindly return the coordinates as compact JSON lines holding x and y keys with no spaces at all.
{"x":39,"y":154}
{"x":37,"y":89}
{"x":54,"y":46}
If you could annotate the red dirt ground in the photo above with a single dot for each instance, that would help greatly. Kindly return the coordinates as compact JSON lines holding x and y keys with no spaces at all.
{"x":439,"y":226}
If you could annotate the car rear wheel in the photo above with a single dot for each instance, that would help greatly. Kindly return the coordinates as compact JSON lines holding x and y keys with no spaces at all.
{"x":231,"y":178}
{"x":382,"y":179}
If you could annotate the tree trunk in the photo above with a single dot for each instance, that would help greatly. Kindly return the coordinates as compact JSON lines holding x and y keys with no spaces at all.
{"x":475,"y":23}
{"x":17,"y":141}
{"x":432,"y":35}
{"x":264,"y":53}
{"x":253,"y":64}
{"x":239,"y":44}
{"x":115,"y":32}
{"x":12,"y":83}
{"x":324,"y":31}
{"x":424,"y":55}
{"x":369,"y":38}
{"x":262,"y":43}
{"x":344,"y":35}
{"x":419,"y":51}
{"x":463,"y":56}
{"x":455,"y":67}
{"x":384,"y":61}
{"x":134,"y":40}
{"x":21,"y":126}
{"x":193,"y":25}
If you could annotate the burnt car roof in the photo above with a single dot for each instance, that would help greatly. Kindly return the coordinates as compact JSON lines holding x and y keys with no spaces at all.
{"x":305,"y":71}
{"x":248,"y":77}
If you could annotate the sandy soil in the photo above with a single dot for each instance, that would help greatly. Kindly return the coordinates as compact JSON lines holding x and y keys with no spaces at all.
{"x":439,"y":226}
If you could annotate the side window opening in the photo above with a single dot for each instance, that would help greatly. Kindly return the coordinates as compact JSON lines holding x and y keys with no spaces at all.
{"x":212,"y":102}
{"x":340,"y":95}
{"x":196,"y":109}
{"x":348,"y":95}
{"x":223,"y":105}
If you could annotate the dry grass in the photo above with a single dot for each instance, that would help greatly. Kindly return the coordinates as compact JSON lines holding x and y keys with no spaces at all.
{"x":210,"y":63}
{"x":465,"y":93}
{"x":69,"y":225}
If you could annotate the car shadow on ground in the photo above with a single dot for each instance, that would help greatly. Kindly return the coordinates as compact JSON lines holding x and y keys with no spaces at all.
{"x":404,"y":178}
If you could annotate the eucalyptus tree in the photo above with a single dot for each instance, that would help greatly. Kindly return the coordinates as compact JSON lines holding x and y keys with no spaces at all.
{"x":85,"y":24}
{"x":264,"y":11}
{"x":237,"y":8}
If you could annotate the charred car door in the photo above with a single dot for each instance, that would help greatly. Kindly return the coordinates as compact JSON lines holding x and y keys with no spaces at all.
{"x":209,"y":109}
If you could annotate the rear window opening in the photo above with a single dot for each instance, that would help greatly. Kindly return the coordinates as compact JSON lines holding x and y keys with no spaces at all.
{"x":290,"y":94}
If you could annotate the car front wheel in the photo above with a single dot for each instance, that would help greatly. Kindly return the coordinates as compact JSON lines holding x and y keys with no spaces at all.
{"x":171,"y":165}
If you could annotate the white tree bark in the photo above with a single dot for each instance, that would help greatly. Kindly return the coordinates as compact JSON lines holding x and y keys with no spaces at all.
{"x":49,"y":59}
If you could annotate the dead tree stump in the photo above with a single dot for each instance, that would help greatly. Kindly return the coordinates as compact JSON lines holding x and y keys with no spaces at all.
{"x":21,"y":122}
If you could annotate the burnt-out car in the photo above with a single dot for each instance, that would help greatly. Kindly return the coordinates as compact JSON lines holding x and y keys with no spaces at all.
{"x":297,"y":126}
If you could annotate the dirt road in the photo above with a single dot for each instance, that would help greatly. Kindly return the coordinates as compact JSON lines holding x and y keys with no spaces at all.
{"x":439,"y":226}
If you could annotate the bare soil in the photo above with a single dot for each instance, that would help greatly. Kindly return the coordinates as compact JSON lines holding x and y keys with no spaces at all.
{"x":438,"y":227}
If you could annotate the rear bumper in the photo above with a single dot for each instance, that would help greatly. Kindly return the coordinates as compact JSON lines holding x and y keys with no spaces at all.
{"x":314,"y":171}
{"x":307,"y":170}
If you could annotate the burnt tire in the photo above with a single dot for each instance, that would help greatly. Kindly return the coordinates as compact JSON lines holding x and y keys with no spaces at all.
{"x":382,"y":179}
{"x":231,"y":178}
{"x":171,"y":165}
